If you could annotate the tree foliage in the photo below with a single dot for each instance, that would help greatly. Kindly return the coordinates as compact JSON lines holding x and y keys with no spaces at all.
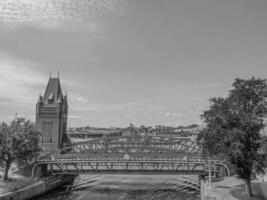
{"x":18,"y":143}
{"x":234,"y":124}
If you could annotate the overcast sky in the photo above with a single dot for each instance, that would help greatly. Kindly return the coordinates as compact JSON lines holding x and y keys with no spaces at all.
{"x":129,"y":61}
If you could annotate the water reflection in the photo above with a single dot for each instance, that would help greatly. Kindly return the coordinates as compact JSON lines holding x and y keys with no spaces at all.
{"x":128,"y":187}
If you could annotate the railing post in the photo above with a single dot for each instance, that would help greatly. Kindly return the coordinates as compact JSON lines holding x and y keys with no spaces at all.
{"x":209,"y":174}
{"x":202,"y":188}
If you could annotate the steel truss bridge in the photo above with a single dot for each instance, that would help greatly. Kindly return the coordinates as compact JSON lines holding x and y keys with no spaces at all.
{"x":138,"y":153}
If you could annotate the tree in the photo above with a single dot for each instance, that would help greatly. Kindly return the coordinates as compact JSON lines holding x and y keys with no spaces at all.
{"x":234,"y":124}
{"x":208,"y":139}
{"x":18,"y":143}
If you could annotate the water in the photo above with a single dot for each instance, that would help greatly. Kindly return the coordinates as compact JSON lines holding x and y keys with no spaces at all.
{"x":128,"y":187}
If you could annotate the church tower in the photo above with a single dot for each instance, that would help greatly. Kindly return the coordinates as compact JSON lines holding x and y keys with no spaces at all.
{"x":51,"y":117}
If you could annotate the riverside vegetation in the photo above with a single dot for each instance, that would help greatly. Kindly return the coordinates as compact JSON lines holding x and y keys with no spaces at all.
{"x":18,"y":144}
{"x":234,"y":126}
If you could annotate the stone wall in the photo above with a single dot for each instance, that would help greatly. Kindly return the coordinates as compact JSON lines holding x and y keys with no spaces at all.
{"x":39,"y":188}
{"x":25,"y":193}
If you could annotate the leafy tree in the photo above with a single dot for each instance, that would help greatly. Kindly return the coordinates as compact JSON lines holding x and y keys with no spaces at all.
{"x":234,"y":124}
{"x":208,"y":139}
{"x":18,"y":143}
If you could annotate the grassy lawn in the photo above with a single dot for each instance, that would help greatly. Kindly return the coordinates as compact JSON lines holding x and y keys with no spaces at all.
{"x":232,"y":188}
{"x":15,"y":182}
{"x":239,"y":193}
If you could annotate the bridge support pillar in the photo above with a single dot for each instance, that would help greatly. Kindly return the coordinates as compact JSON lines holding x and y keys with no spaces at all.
{"x":40,"y":171}
{"x":44,"y":170}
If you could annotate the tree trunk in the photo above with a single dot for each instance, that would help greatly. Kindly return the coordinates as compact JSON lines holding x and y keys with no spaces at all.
{"x":7,"y":167}
{"x":248,"y":187}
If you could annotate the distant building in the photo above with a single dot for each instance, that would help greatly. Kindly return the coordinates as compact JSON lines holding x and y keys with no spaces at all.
{"x":51,"y":117}
{"x":164,"y":130}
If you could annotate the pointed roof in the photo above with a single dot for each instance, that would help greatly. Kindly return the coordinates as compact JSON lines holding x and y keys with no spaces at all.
{"x":53,"y":91}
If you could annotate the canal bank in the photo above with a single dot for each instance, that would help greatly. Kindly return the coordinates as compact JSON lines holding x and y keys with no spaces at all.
{"x":232,"y":188}
{"x":38,"y":188}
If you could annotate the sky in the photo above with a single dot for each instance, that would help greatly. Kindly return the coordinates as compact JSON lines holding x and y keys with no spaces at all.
{"x":144,"y":62}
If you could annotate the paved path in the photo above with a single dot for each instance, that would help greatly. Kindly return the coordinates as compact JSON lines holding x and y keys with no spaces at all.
{"x":224,"y":188}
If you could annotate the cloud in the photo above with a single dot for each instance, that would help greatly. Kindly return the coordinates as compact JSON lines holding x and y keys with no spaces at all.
{"x":167,"y":114}
{"x":56,"y":34}
{"x":171,"y":114}
{"x":178,"y":114}
{"x":96,"y":106}
{"x":17,"y":81}
{"x":75,"y":98}
{"x":82,"y":100}
{"x":71,"y":15}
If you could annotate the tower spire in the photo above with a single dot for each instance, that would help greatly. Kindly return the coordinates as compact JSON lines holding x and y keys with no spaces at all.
{"x":40,"y":99}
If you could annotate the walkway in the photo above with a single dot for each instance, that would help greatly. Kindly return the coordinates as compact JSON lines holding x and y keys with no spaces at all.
{"x":232,"y":188}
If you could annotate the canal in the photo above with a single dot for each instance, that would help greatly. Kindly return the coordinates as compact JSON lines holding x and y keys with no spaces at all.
{"x":128,"y":187}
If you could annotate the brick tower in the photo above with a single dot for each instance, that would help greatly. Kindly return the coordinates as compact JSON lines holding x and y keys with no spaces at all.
{"x":51,"y":117}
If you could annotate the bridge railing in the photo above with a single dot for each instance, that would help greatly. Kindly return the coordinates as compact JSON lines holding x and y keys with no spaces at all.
{"x":115,"y":159}
{"x":114,"y":165}
{"x":161,"y":142}
{"x":118,"y":138}
{"x":138,"y":156}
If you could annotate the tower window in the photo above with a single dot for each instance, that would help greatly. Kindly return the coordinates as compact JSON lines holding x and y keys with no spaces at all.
{"x":50,"y":98}
{"x":47,"y":132}
{"x":50,"y":131}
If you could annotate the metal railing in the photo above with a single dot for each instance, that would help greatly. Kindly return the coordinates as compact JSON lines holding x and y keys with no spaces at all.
{"x":205,"y":192}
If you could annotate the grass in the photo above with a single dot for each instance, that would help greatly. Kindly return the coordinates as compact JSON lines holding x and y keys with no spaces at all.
{"x":232,"y":188}
{"x":15,"y":182}
{"x":239,"y":193}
